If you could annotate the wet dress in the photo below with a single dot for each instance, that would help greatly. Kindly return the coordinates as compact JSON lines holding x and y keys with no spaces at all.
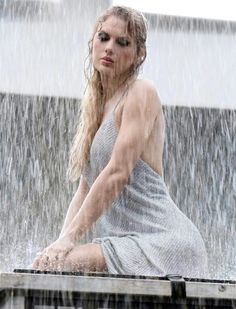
{"x":143,"y":232}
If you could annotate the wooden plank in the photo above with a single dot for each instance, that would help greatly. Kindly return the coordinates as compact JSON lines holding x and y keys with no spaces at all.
{"x":211,"y":290}
{"x":84,"y":284}
{"x":114,"y":285}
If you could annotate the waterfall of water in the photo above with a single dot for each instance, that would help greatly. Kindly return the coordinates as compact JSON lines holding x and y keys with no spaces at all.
{"x":36,"y":131}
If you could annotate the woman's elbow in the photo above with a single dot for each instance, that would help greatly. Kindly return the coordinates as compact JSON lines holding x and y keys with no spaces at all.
{"x":116,"y":176}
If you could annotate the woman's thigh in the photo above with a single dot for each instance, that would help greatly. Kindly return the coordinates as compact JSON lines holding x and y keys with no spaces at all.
{"x":88,"y":257}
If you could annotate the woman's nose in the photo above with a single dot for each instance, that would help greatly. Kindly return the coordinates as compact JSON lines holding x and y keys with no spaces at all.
{"x":109,"y":47}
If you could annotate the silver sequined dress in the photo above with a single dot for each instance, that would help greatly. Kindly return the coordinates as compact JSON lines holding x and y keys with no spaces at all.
{"x":143,"y":232}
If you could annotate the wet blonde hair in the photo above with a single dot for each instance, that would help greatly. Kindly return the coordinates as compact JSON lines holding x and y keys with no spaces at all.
{"x":92,"y":105}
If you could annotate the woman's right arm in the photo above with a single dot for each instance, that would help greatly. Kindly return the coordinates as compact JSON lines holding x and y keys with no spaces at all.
{"x":62,"y":246}
{"x":76,"y":203}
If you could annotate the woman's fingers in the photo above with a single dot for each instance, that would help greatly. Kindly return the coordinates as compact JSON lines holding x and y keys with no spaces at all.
{"x":43,"y":262}
{"x":49,"y":262}
{"x":52,"y":263}
{"x":52,"y":258}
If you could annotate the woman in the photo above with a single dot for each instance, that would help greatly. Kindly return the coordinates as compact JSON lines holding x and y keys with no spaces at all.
{"x":117,"y":153}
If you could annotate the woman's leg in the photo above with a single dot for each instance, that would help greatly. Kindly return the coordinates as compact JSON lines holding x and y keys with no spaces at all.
{"x":88,"y":257}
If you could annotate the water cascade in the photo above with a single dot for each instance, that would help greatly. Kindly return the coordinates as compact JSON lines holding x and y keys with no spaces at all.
{"x":42,"y":48}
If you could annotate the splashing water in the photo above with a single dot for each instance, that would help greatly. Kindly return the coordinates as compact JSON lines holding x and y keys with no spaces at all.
{"x":36,"y":133}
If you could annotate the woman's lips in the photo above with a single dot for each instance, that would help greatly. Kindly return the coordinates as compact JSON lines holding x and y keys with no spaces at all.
{"x":107,"y":60}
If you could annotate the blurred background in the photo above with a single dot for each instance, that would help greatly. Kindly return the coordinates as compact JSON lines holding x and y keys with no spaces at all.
{"x":192,"y":61}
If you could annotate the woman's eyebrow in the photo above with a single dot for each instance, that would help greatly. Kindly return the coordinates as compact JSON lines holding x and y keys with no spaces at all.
{"x":102,"y":31}
{"x":119,"y":36}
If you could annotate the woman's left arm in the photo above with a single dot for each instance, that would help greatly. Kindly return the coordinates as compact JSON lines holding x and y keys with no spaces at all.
{"x":140,"y":111}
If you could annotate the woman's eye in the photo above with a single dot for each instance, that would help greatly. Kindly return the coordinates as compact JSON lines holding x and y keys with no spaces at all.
{"x":103,"y":36}
{"x":123,"y":42}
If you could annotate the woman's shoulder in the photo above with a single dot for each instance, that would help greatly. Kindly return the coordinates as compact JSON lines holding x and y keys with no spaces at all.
{"x":145,"y":83}
{"x":145,"y":92}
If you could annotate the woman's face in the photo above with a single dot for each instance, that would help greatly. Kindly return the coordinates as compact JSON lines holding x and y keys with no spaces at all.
{"x":114,"y":50}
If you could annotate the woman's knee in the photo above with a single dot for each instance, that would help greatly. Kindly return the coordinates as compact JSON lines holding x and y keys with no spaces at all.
{"x":87,"y":257}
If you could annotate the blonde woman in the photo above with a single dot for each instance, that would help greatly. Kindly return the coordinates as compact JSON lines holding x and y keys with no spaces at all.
{"x":117,"y":154}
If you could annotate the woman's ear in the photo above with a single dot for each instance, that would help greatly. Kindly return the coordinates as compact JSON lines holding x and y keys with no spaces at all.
{"x":142,"y":55}
{"x":139,"y":59}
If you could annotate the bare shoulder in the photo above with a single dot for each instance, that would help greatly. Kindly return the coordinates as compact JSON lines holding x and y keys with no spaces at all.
{"x":144,"y":93}
{"x":145,"y":84}
{"x":141,"y":108}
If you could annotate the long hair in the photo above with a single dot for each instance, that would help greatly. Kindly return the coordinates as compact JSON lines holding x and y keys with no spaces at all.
{"x":92,"y":104}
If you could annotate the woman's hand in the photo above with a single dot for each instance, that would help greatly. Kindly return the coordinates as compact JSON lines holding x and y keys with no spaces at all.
{"x":52,"y":258}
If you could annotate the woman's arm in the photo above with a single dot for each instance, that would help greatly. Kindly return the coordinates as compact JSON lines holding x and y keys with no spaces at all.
{"x":58,"y":250}
{"x":140,"y":111}
{"x":76,"y":203}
